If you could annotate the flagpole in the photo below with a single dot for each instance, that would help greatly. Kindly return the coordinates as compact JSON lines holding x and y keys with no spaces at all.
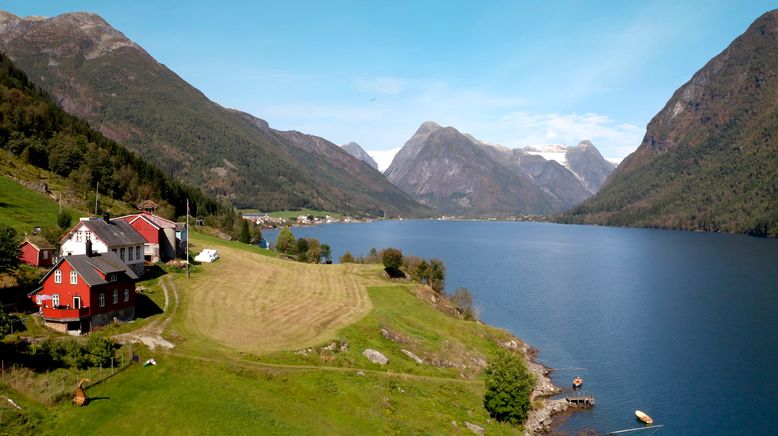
{"x":187,"y":238}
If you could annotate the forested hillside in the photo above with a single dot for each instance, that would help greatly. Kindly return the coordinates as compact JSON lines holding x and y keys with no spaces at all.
{"x":709,"y":158}
{"x":34,"y":128}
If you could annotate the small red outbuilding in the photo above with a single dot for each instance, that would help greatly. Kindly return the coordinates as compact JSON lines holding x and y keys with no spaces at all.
{"x":37,"y":251}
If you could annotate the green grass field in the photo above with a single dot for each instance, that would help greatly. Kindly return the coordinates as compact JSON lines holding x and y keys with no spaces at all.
{"x":235,"y":369}
{"x":23,"y":208}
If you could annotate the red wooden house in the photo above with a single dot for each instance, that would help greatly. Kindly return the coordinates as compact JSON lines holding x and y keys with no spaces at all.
{"x":37,"y":251}
{"x":84,"y":291}
{"x":160,"y":234}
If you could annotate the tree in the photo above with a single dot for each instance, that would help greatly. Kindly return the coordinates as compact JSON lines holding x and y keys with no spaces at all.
{"x":347,"y":257}
{"x":463,"y":300}
{"x":64,"y":220}
{"x":314,"y":251}
{"x":9,"y":248}
{"x":5,"y":322}
{"x":256,"y":234}
{"x":419,"y":270}
{"x":437,"y":275}
{"x":286,"y":242}
{"x":245,"y":233}
{"x":302,"y":246}
{"x":392,"y":258}
{"x":326,"y":253}
{"x":508,"y":387}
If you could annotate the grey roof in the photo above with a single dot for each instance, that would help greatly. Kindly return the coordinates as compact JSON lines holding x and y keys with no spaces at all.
{"x":88,"y":267}
{"x":114,"y":233}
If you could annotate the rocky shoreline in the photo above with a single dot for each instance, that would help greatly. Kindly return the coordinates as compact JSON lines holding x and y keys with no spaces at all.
{"x":540,"y":419}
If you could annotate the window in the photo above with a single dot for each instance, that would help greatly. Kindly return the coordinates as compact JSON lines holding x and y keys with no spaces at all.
{"x":87,"y":235}
{"x":45,"y":254}
{"x":126,"y":295}
{"x":78,"y":236}
{"x":55,"y":300}
{"x":137,"y":252}
{"x":121,"y":253}
{"x":111,"y":278}
{"x":57,"y":276}
{"x":115,"y":296}
{"x":76,"y":302}
{"x":101,"y":300}
{"x":73,"y":278}
{"x":129,"y":254}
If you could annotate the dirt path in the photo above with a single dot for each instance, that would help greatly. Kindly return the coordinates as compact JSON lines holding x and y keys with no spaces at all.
{"x":151,"y":333}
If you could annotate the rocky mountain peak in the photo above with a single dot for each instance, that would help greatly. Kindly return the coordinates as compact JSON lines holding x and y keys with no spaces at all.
{"x":358,"y":152}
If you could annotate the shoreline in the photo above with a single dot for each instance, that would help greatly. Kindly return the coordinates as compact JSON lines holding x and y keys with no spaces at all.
{"x":539,"y":420}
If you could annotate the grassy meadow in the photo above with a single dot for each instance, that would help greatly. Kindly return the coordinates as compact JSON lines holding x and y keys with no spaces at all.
{"x":253,"y":355}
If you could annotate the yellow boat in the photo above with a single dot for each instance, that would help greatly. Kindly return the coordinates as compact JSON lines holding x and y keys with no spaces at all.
{"x":643,"y":417}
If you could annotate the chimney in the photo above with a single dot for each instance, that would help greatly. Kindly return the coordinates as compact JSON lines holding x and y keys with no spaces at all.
{"x":106,"y":217}
{"x":88,"y":248}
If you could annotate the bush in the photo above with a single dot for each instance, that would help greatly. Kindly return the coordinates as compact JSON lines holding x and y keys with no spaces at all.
{"x":286,"y":242}
{"x":463,"y":301}
{"x":508,"y":387}
{"x":347,"y":258}
{"x":437,"y":275}
{"x":74,"y":353}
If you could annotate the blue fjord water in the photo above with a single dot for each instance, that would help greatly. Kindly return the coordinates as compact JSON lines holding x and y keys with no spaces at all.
{"x":681,"y":325}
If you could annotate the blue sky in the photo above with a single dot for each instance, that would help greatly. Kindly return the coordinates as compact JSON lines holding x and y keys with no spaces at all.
{"x":508,"y":72}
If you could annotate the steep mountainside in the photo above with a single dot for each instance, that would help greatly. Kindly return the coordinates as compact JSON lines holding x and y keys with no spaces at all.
{"x":95,"y":72}
{"x":43,"y":135}
{"x":358,"y":152}
{"x":458,"y":174}
{"x":708,"y":160}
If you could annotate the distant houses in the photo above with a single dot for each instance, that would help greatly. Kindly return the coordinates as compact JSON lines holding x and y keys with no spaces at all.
{"x":84,"y":291}
{"x":37,"y":251}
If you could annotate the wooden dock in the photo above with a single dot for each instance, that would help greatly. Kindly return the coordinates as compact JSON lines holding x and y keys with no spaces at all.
{"x":581,"y":401}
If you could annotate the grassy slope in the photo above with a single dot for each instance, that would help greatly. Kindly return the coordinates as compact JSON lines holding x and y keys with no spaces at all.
{"x":212,"y":385}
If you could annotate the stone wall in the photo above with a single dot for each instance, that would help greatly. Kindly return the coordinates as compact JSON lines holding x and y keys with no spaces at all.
{"x":101,"y":319}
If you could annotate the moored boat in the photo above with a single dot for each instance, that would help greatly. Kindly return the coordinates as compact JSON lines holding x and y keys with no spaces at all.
{"x":577,"y":382}
{"x":643,"y":417}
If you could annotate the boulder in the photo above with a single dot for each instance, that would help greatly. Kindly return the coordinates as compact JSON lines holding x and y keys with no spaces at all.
{"x":413,"y":357}
{"x":375,"y":356}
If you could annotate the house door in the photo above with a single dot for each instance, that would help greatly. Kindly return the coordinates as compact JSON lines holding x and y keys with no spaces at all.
{"x":76,"y":302}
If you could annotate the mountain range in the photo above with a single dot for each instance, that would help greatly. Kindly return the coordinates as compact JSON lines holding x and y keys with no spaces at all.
{"x":457,"y":174}
{"x":96,"y":73}
{"x":708,"y":159}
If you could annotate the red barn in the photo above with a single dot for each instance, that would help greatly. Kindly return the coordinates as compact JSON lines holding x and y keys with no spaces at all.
{"x":84,"y":291}
{"x":160,"y":235}
{"x":36,"y":251}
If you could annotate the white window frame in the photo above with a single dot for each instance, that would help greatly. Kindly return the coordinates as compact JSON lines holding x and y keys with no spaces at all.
{"x":78,"y":236}
{"x":121,"y":254}
{"x":45,"y":254}
{"x":137,"y":253}
{"x":73,"y":278}
{"x":101,"y":299}
{"x":126,"y":295}
{"x":54,"y":300}
{"x":112,"y":277}
{"x":76,"y":306}
{"x":57,"y":276}
{"x":129,"y":254}
{"x":115,"y":296}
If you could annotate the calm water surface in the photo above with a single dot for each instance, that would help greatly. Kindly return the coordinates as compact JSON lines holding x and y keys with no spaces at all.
{"x":681,"y":325}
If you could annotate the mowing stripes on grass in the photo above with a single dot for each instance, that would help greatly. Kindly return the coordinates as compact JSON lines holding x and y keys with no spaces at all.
{"x":280,"y":305}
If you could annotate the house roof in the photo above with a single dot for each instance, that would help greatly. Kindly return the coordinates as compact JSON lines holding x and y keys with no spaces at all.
{"x":156,"y":221}
{"x":112,"y":233}
{"x":38,"y":242}
{"x":89,"y":267}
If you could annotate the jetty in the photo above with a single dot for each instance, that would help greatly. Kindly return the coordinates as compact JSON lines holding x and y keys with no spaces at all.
{"x":581,"y":400}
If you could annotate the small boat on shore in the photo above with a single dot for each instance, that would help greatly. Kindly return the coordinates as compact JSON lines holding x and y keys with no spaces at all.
{"x":643,"y":417}
{"x":577,"y":382}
